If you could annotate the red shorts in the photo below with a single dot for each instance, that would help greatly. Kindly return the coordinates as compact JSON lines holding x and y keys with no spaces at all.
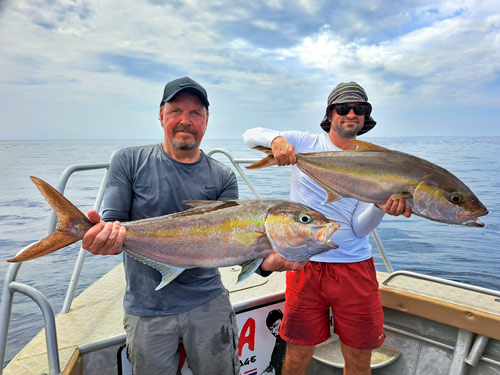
{"x":350,"y":289}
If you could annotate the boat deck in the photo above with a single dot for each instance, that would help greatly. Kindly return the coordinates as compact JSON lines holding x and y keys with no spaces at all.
{"x":97,"y":313}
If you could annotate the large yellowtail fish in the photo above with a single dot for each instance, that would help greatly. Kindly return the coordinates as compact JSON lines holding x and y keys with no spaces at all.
{"x":373,"y":174}
{"x":211,"y":234}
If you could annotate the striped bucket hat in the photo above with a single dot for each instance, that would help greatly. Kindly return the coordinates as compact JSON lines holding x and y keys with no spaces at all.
{"x":347,"y":92}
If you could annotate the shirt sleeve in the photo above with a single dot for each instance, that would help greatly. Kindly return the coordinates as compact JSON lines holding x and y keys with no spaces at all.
{"x":229,"y":187}
{"x":365,"y":218}
{"x":118,"y":190}
{"x":259,"y":137}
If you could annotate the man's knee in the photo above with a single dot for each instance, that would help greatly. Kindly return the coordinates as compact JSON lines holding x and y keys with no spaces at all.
{"x":356,"y":358}
{"x":297,"y":359}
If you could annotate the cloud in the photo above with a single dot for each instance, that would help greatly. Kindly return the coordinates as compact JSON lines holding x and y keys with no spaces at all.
{"x":135,"y":66}
{"x":264,"y":63}
{"x":458,"y":49}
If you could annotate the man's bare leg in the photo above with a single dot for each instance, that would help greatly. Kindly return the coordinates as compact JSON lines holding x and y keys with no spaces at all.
{"x":297,"y":359}
{"x":357,"y":361}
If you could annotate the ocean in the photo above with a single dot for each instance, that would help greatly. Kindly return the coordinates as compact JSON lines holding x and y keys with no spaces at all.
{"x":464,"y":254}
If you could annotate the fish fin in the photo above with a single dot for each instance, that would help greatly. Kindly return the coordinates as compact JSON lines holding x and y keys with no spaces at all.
{"x":248,"y":268}
{"x":55,"y":241}
{"x":265,"y":150}
{"x":71,"y":224}
{"x":331,"y":195}
{"x":268,"y":161}
{"x":168,"y":273}
{"x":367,"y":146}
{"x":401,"y":195}
{"x":200,"y":206}
{"x":197,"y":202}
{"x":248,"y":239}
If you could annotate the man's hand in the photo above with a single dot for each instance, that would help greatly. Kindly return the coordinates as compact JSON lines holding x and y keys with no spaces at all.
{"x":396,"y":207}
{"x":274,"y":262}
{"x":103,"y":238}
{"x":283,"y":151}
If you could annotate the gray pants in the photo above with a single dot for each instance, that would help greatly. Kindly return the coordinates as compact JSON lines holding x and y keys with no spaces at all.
{"x":208,"y":333}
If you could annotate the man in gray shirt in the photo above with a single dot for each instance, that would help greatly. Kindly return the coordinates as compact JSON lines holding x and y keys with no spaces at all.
{"x":151,"y":181}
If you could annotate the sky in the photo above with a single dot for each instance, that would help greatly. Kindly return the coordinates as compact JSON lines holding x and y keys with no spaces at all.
{"x":95,"y":69}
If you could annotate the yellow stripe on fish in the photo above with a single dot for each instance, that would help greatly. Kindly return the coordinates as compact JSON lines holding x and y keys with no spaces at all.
{"x":226,"y":226}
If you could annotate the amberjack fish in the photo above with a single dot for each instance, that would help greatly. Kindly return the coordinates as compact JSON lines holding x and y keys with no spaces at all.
{"x":210,"y":234}
{"x":373,"y":173}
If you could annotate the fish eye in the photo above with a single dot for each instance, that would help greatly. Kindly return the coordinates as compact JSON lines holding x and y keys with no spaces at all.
{"x":304,"y":218}
{"x":455,"y":198}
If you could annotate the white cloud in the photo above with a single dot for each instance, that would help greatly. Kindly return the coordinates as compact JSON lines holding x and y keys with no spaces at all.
{"x":461,"y":51}
{"x":261,"y":60}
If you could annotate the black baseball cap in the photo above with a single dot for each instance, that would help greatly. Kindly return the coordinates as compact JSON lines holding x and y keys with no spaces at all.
{"x":172,"y":88}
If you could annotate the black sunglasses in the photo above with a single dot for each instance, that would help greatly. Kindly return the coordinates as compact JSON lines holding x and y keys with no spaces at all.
{"x":359,"y":109}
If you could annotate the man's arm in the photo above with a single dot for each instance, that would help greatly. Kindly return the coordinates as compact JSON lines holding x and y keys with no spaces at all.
{"x":259,"y":137}
{"x":274,"y":262}
{"x":106,"y":238}
{"x":367,"y":216}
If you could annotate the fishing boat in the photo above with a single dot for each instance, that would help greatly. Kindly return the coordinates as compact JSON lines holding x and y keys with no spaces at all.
{"x":433,"y":325}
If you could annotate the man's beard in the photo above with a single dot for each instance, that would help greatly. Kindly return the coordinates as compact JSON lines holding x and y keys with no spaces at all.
{"x":347,"y":132}
{"x":178,"y":145}
{"x":184,"y":145}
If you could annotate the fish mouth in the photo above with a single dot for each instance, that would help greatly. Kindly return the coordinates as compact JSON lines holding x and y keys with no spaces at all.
{"x":473,"y":222}
{"x":324,"y":234}
{"x":472,"y":219}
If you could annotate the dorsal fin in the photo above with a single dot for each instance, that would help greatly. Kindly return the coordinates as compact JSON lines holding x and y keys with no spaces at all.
{"x":200,"y":206}
{"x":367,"y":146}
{"x":197,"y":202}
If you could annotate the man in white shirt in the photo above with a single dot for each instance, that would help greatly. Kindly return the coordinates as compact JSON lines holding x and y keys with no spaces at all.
{"x":345,"y":278}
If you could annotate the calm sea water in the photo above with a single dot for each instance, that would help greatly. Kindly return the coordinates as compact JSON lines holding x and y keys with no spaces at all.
{"x":458,"y":253}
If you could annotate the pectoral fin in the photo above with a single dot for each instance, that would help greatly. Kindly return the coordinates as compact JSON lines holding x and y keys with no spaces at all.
{"x":248,"y":239}
{"x":168,"y":273}
{"x":248,"y":268}
{"x":401,"y":195}
{"x":331,"y":195}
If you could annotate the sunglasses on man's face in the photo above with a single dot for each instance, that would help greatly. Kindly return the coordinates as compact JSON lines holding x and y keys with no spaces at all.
{"x":359,"y":109}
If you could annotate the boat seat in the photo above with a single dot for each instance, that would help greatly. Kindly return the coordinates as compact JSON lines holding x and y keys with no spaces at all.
{"x":329,"y":353}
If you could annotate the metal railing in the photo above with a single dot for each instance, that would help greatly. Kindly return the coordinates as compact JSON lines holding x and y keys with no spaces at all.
{"x":438,"y":280}
{"x":11,"y":286}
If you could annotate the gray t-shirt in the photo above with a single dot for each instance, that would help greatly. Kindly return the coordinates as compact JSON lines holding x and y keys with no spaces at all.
{"x":145,"y":182}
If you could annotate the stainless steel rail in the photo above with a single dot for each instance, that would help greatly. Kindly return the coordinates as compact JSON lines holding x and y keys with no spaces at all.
{"x":236,"y":164}
{"x":441,"y":281}
{"x":70,"y":293}
{"x":11,"y":286}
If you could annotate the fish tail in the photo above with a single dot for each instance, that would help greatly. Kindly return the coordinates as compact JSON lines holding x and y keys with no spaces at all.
{"x":265,"y":162}
{"x":71,"y":224}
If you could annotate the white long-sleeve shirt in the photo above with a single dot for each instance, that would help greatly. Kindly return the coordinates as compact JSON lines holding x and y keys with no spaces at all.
{"x":357,"y":219}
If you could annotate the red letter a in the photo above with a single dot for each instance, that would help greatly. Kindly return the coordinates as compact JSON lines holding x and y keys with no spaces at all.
{"x":247,"y":336}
